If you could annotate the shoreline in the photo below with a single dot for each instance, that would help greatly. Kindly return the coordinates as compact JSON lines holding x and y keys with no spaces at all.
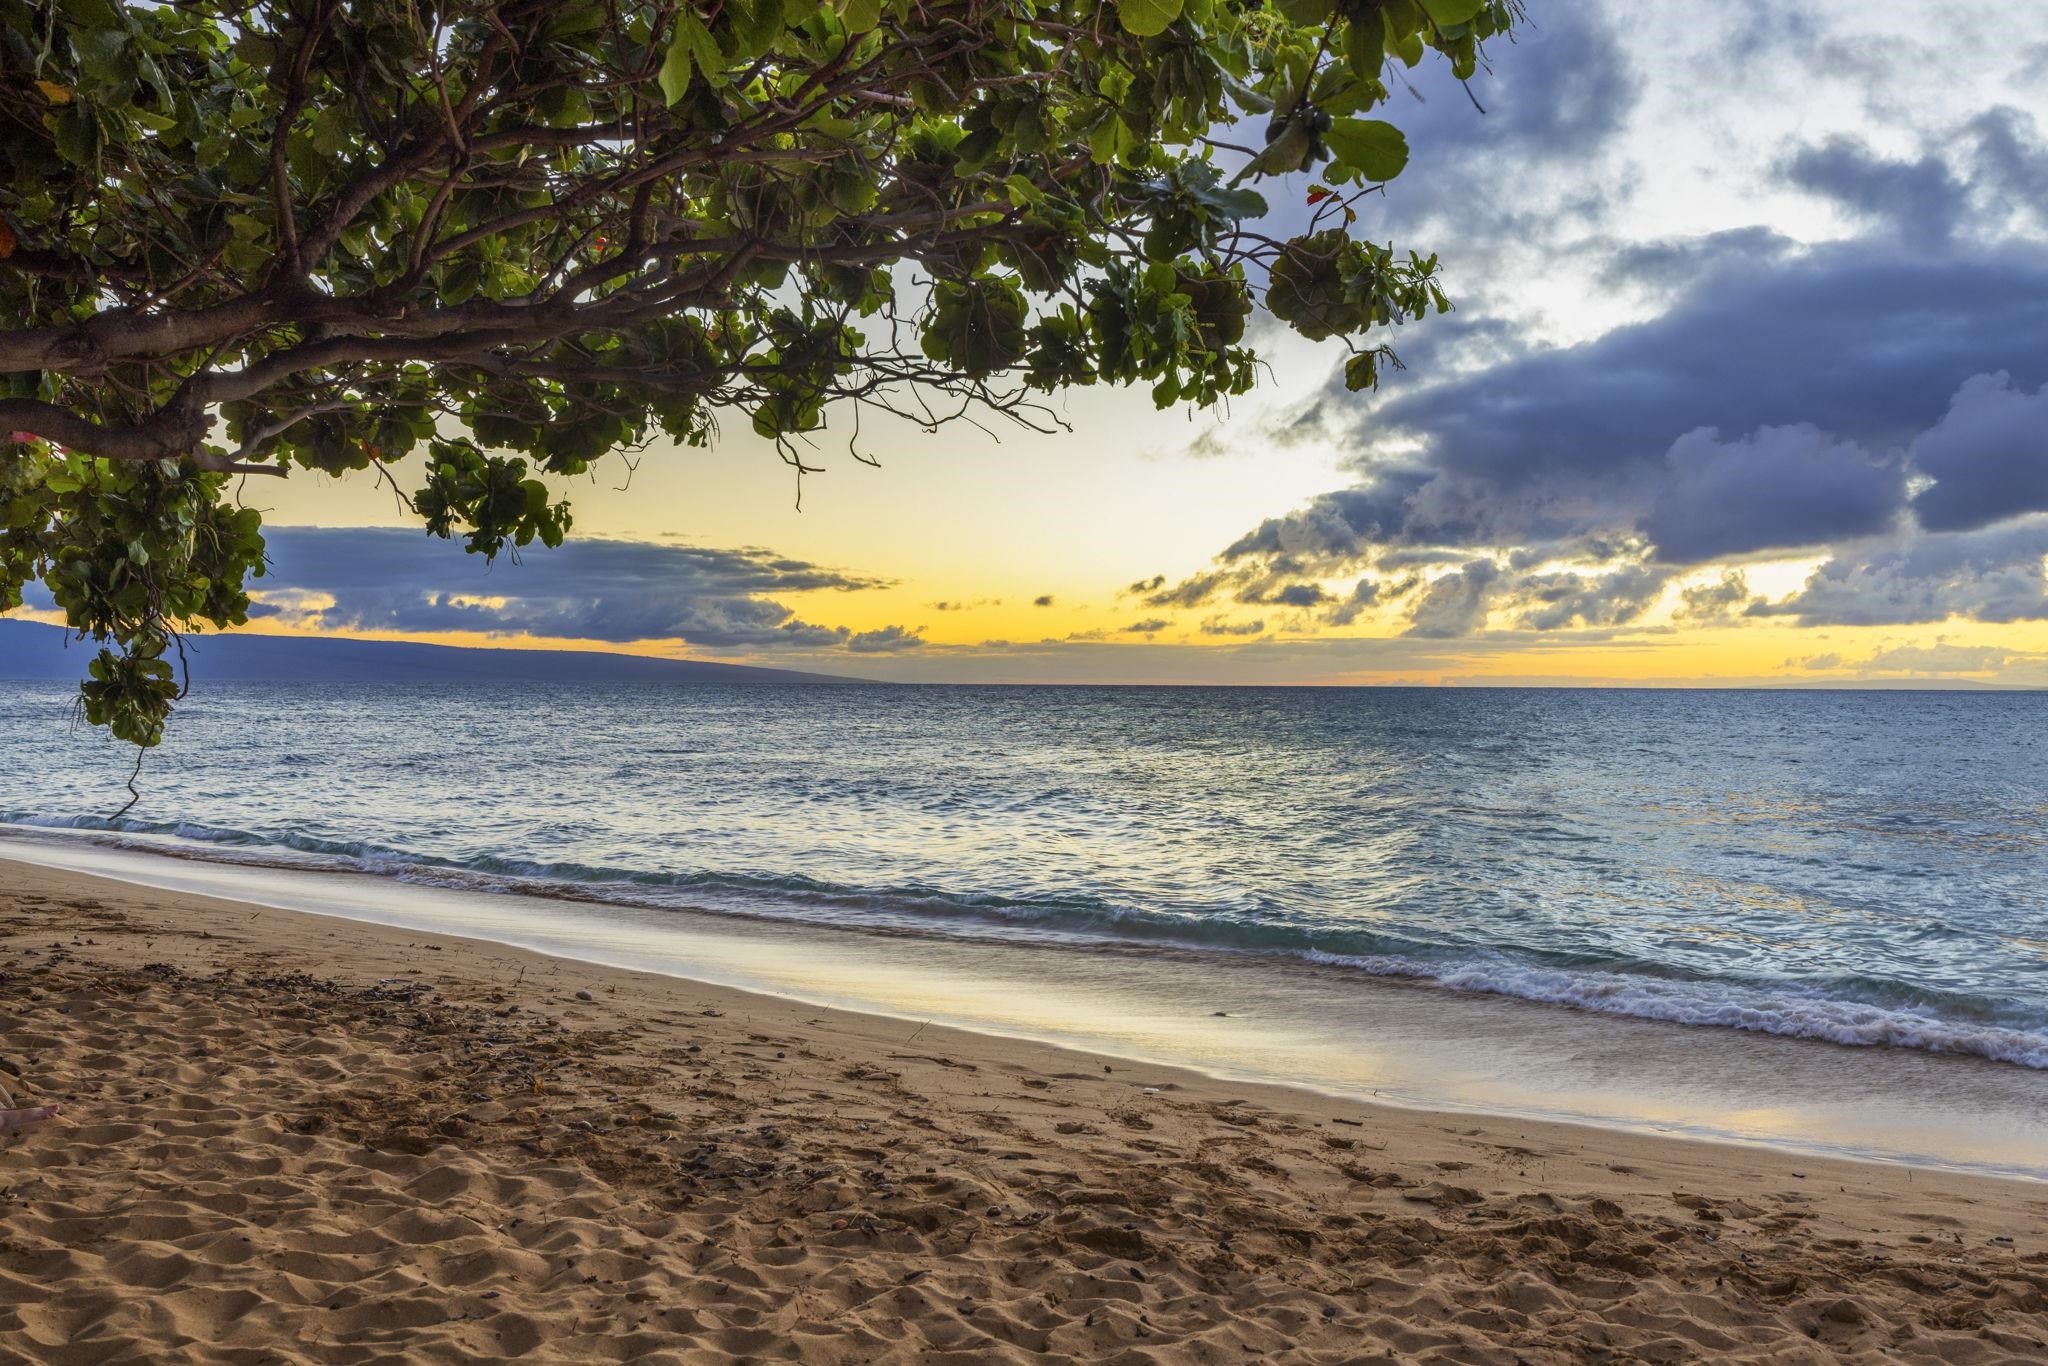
{"x":1335,"y":1033}
{"x":1144,"y":1209}
{"x":470,"y":1150}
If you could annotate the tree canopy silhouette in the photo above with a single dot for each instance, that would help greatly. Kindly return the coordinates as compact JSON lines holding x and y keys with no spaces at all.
{"x":515,"y":235}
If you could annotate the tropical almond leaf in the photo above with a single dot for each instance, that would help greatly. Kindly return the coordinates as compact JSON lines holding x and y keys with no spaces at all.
{"x":1449,"y":12}
{"x":675,"y":67}
{"x":1374,"y":147}
{"x":1147,"y":18}
{"x":858,"y":15}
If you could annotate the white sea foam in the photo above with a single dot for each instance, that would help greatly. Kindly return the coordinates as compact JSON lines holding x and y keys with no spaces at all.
{"x":1722,"y":1004}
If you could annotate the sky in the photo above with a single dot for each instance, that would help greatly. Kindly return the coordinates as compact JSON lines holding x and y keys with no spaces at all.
{"x":1747,"y":383}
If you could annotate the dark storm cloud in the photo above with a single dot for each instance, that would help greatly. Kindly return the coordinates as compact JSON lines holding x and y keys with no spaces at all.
{"x":1861,"y":343}
{"x":1782,"y":487}
{"x":1988,"y":177}
{"x":1920,"y":199}
{"x":2015,"y":160}
{"x":386,"y":579}
{"x":1784,"y":398}
{"x":1988,"y":456}
{"x":1672,"y":263}
{"x":1859,"y":398}
{"x":1817,"y":372}
{"x":1343,"y":525}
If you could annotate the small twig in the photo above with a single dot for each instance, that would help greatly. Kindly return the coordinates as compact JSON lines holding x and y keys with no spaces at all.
{"x":134,"y":794}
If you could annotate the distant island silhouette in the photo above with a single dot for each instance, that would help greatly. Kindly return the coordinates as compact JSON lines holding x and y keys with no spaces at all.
{"x":33,"y":651}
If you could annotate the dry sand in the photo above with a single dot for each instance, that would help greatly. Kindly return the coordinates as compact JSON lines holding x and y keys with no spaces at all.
{"x":292,"y":1138}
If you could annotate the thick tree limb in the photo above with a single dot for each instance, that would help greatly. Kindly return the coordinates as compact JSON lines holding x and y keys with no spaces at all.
{"x":168,"y":436}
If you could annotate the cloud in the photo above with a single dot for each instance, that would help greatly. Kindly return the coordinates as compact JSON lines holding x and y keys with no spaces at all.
{"x":1189,"y":592}
{"x":1940,"y":658}
{"x":1862,"y":389}
{"x":884,"y":640}
{"x":1363,"y":595}
{"x":391,"y":580}
{"x":1988,"y":177}
{"x":1455,"y":604}
{"x":1993,"y":574}
{"x":1285,"y":595}
{"x":1345,"y":525}
{"x":1461,"y":602}
{"x":1674,"y":263}
{"x":1768,"y":403}
{"x":1921,"y":200}
{"x":1151,"y":585}
{"x":1150,"y":626}
{"x":1557,"y":97}
{"x":1042,"y":600}
{"x":1779,"y":487}
{"x":1774,"y":388}
{"x":1217,"y":626}
{"x":1551,"y":602}
{"x":1715,"y":601}
{"x":1988,"y":456}
{"x":1866,"y":346}
{"x":2013,"y":190}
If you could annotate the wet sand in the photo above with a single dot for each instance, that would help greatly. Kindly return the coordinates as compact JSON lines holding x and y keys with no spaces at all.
{"x":288,"y":1137}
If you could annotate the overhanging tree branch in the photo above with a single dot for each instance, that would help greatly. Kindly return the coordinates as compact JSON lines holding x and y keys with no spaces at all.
{"x":518,"y":235}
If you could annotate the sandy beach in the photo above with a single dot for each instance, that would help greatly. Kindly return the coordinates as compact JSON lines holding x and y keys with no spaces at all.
{"x":287,"y":1137}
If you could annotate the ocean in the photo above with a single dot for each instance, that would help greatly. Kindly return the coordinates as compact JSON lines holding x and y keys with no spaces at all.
{"x":1866,"y":870}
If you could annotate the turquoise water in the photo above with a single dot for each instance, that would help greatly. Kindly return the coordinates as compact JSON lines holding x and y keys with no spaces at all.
{"x":1861,"y":868}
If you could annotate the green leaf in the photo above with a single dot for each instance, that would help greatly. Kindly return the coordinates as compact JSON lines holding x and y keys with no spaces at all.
{"x":977,"y":328}
{"x":1147,"y":18}
{"x":1373,"y":147}
{"x":1448,"y":13}
{"x":1022,"y":192}
{"x":858,"y":15}
{"x":1362,"y":371}
{"x":675,"y":67}
{"x":76,"y":134}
